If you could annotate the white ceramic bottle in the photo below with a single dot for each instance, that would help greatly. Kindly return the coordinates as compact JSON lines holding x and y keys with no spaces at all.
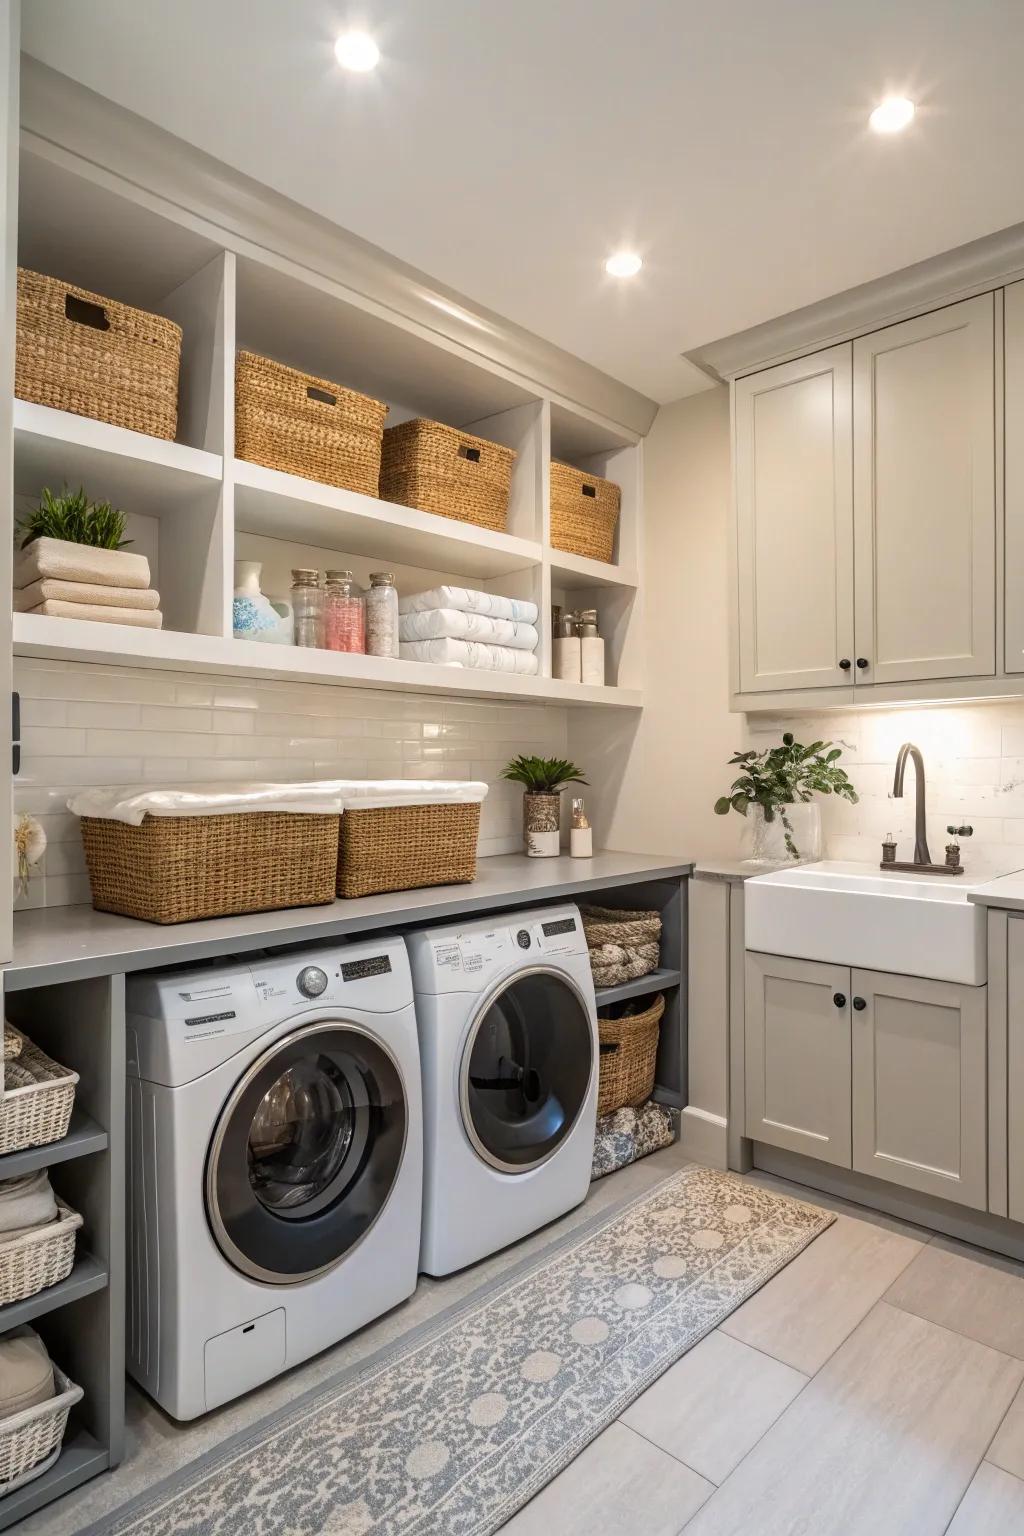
{"x":591,"y":649}
{"x":565,"y":651}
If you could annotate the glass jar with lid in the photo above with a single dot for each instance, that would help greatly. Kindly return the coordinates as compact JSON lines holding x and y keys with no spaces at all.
{"x":308,"y":607}
{"x":382,"y":615}
{"x":344,"y":613}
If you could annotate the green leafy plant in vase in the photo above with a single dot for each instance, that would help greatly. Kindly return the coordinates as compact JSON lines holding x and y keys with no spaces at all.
{"x":74,"y":519}
{"x":543,"y":779}
{"x":774,"y":783}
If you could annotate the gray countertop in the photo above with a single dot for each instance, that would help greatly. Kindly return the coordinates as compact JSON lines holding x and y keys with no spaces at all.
{"x":1006,"y":892}
{"x":54,"y":944}
{"x":728,"y":869}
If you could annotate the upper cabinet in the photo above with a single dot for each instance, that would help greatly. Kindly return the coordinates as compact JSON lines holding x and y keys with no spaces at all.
{"x":924,"y":496}
{"x":794,"y":532}
{"x":866,"y":517}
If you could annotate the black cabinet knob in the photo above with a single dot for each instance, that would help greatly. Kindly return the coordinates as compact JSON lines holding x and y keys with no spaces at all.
{"x":859,"y":1004}
{"x":845,"y":664}
{"x":839,"y":998}
{"x":862,"y":662}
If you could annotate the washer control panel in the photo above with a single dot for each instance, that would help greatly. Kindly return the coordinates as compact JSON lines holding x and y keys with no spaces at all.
{"x":461,"y":955}
{"x":311,"y":981}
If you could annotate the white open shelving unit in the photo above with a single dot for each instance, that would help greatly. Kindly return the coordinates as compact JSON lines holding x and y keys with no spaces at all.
{"x":194,"y":508}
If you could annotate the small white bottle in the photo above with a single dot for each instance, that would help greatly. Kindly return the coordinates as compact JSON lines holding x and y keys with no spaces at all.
{"x":566,"y":651}
{"x":581,"y":833}
{"x":591,"y":649}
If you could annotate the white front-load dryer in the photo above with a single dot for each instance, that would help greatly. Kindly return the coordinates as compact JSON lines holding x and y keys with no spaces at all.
{"x":274,"y":1163}
{"x":509,"y":1054}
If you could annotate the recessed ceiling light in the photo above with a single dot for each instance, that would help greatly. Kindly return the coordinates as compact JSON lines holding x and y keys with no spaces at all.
{"x":623,"y":264}
{"x":357,"y":51}
{"x":892,"y":115}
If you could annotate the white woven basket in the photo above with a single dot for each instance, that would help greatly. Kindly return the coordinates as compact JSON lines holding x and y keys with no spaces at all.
{"x":38,"y":1259}
{"x":38,"y":1097}
{"x":29,"y":1438}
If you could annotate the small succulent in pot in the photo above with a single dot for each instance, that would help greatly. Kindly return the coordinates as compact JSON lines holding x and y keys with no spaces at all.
{"x":778,"y":778}
{"x":543,"y":779}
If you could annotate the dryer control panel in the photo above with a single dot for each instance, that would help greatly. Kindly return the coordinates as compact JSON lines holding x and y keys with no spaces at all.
{"x":464,"y":956}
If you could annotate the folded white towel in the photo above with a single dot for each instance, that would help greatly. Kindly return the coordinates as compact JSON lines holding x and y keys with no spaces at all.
{"x":25,"y":1202}
{"x":79,"y":562}
{"x":468,"y":601}
{"x":48,"y":590}
{"x":453,"y":624}
{"x":325,"y":797}
{"x":136,"y":618}
{"x":472,"y":653}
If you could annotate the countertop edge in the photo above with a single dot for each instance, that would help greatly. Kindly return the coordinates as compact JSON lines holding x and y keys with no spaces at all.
{"x":61,"y":944}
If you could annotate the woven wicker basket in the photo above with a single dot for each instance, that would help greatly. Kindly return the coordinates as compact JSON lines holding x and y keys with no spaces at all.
{"x":80,"y":352}
{"x":584,"y":512}
{"x":39,"y":1258}
{"x":427,"y":465}
{"x":173,"y":869}
{"x":401,"y":847}
{"x":629,"y":1050}
{"x":306,"y":426}
{"x":28,"y":1440}
{"x":623,"y":945}
{"x":38,"y":1097}
{"x":12,"y":1042}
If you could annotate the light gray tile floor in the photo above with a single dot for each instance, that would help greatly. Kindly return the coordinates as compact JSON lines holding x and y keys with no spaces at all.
{"x":872,"y":1388}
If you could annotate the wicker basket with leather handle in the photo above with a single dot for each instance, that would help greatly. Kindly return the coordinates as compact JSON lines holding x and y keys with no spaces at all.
{"x":629,"y":1051}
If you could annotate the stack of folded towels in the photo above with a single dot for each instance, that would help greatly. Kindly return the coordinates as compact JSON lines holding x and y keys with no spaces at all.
{"x":26,"y":1203}
{"x":74,"y":581}
{"x":456,"y":627}
{"x":26,"y":1372}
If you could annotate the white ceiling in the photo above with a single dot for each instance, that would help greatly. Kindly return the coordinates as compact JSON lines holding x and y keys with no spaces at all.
{"x":505,"y":147}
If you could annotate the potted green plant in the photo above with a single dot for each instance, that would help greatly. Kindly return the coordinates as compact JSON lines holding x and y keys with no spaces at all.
{"x":543,"y":779}
{"x":71,"y":538}
{"x":775,"y":790}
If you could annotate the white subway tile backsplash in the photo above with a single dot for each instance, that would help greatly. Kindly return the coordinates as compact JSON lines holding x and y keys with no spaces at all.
{"x":88,"y":725}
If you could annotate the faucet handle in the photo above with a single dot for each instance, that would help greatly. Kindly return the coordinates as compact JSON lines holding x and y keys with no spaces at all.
{"x":961,"y":831}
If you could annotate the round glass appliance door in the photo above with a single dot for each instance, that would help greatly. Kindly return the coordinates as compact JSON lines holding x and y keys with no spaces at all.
{"x":306,"y":1153}
{"x":526,"y":1070}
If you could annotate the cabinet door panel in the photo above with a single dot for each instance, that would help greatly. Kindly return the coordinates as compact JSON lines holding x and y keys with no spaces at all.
{"x":919,"y":1085}
{"x":924,"y":496}
{"x":794,"y":512}
{"x":798,"y":1056}
{"x":1013,"y":607}
{"x":1015,"y":1066}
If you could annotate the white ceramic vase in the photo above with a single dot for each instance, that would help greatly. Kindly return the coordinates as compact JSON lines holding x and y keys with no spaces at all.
{"x":255,"y":616}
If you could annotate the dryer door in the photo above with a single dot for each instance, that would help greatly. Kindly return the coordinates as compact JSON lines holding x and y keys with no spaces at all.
{"x":306,"y":1152}
{"x":526,"y":1070}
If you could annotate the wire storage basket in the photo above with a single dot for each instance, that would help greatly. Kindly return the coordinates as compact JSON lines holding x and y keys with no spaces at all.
{"x":78,"y":351}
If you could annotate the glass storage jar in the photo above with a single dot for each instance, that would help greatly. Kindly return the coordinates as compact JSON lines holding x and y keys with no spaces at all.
{"x":308,"y":607}
{"x":382,"y":615}
{"x":344,"y":613}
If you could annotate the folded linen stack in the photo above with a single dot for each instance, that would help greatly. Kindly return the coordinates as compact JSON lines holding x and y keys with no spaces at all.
{"x":457,"y":627}
{"x":26,"y":1203}
{"x":74,"y":581}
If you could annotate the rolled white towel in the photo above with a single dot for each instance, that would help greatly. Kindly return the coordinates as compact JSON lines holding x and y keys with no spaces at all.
{"x":454,"y":624}
{"x":468,"y":601}
{"x":472,"y":653}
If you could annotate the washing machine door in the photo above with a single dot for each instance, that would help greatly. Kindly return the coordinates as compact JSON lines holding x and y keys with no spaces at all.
{"x":526,"y":1069}
{"x":306,"y":1152}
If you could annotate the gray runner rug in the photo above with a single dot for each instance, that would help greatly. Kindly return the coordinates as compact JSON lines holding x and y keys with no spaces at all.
{"x":453,"y":1429}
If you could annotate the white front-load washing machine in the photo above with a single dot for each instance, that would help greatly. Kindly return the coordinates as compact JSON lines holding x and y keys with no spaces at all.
{"x":274,"y":1163}
{"x":509,"y":1054}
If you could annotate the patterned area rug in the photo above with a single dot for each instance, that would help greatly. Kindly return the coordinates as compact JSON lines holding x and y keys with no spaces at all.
{"x":455,"y":1428}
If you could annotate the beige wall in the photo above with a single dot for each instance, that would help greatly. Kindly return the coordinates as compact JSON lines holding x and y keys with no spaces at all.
{"x":655,"y":780}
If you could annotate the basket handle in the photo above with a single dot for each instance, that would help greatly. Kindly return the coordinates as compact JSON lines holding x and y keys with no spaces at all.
{"x":323,"y":395}
{"x":84,"y":312}
{"x":467,"y":452}
{"x":588,"y":490}
{"x":609,"y":1049}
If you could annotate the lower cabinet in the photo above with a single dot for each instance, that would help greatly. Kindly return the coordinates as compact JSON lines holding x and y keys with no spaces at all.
{"x":882,"y":1074}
